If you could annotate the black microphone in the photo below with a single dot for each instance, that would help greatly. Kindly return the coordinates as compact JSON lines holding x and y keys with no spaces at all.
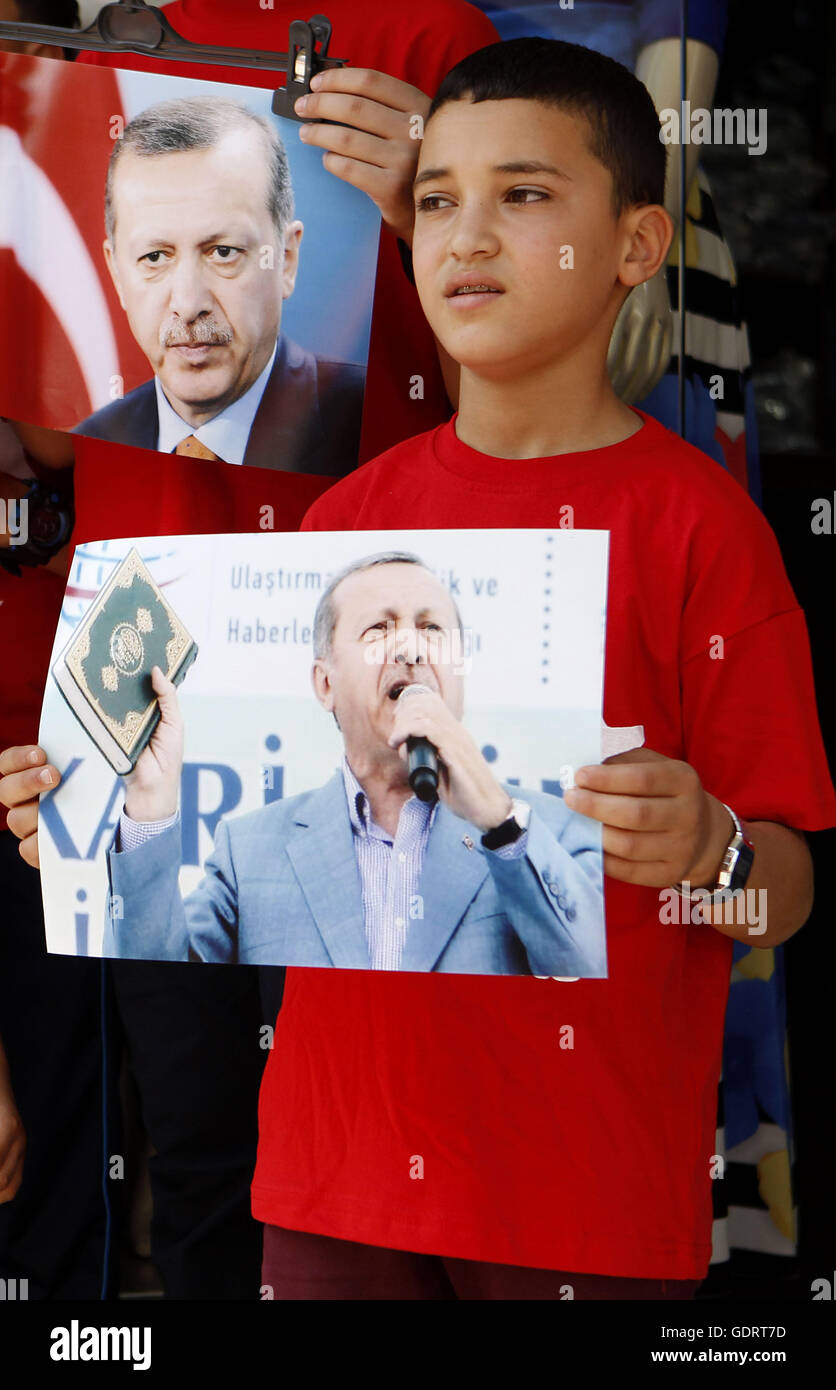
{"x":422,"y":760}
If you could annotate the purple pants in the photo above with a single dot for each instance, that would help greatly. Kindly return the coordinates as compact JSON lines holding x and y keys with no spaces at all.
{"x":301,"y":1266}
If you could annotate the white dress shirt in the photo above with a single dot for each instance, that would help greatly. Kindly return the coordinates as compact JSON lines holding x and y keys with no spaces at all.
{"x":226,"y":434}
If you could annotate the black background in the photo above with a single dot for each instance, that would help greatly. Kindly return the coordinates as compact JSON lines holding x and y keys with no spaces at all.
{"x":778,"y":212}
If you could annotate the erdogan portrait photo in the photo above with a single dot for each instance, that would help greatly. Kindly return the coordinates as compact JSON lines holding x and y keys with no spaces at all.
{"x":203,"y":249}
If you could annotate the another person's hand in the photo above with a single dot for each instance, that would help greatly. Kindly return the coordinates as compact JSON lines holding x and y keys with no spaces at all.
{"x":376,"y":145}
{"x":642,"y":339}
{"x":152,"y":789}
{"x":24,"y":774}
{"x":660,"y":824}
{"x":12,"y":1137}
{"x":465,"y":781}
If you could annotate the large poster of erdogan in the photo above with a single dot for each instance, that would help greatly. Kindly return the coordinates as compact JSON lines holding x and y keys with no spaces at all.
{"x":178,"y":271}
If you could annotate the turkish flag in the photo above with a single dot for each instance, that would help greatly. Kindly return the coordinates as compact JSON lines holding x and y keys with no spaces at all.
{"x":65,"y":345}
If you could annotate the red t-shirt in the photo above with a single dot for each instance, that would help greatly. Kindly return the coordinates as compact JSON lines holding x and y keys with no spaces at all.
{"x":594,"y":1159}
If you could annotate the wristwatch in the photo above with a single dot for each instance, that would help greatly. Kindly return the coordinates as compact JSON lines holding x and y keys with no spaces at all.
{"x":510,"y":829}
{"x":737,"y":861}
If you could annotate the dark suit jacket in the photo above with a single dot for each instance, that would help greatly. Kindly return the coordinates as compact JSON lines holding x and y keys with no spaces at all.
{"x":308,"y":420}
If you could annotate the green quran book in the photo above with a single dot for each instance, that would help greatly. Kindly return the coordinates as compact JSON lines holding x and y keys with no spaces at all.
{"x":104,"y":672}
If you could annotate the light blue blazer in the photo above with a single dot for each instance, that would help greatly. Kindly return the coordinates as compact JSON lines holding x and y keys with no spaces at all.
{"x":282,"y":887}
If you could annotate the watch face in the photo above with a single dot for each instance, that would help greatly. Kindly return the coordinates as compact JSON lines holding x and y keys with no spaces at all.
{"x":742,"y":867}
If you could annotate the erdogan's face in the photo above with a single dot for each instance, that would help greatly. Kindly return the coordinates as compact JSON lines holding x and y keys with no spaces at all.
{"x":393,"y":628}
{"x":188,"y":262}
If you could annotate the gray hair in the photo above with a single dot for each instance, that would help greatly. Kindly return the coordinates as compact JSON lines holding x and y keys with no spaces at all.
{"x":325,"y":618}
{"x":200,"y":123}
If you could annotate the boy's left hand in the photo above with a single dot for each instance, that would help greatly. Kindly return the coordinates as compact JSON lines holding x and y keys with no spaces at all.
{"x":376,"y":146}
{"x":660,"y":825}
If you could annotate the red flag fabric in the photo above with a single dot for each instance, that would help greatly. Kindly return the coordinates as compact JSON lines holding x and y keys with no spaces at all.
{"x":57,"y":126}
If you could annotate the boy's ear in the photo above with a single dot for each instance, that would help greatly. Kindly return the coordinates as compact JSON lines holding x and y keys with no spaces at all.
{"x":649,"y":230}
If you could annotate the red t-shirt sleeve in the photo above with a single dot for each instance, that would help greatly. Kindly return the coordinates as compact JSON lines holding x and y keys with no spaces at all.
{"x":750,"y":723}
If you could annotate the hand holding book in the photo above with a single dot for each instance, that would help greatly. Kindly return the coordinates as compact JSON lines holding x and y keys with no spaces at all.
{"x":104,"y":672}
{"x":151,"y":789}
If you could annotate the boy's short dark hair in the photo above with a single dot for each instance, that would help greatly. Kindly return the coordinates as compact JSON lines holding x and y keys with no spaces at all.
{"x":623,"y":124}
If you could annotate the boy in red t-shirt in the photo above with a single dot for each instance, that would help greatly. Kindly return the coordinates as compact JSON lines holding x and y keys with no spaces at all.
{"x":538,"y":200}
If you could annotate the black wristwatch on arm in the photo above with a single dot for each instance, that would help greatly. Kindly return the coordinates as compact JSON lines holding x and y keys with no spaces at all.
{"x":510,"y":829}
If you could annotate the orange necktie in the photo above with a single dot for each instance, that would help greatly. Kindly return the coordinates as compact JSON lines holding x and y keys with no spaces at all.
{"x":193,"y":449}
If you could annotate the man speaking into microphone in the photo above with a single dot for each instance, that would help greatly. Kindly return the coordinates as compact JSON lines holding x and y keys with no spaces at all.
{"x":466,"y":876}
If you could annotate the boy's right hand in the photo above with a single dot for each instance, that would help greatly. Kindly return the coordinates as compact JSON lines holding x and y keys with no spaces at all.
{"x":24,"y":774}
{"x":152,"y":789}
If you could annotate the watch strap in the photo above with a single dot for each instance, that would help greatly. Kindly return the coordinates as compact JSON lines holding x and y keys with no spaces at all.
{"x":510,"y":829}
{"x":735,"y":866}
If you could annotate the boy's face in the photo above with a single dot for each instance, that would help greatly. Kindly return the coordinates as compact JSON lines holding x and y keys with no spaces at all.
{"x":503,"y":189}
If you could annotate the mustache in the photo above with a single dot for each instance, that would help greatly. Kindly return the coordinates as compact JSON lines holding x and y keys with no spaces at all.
{"x":204,"y":331}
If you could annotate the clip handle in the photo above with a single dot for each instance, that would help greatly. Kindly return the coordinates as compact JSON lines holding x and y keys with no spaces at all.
{"x":303,"y":62}
{"x":130,"y":21}
{"x":321,"y":28}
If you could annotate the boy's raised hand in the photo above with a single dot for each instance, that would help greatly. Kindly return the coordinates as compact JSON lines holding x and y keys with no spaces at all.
{"x":376,"y":145}
{"x":660,"y":825}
